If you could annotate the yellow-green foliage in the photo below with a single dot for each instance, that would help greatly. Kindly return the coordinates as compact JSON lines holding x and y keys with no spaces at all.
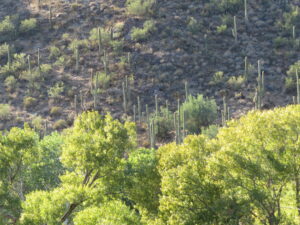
{"x":28,"y":25}
{"x":5,"y":111}
{"x":236,"y":82}
{"x":249,"y":173}
{"x":37,"y":122}
{"x":105,"y":36}
{"x":29,"y":102}
{"x":217,"y":78}
{"x":139,"y":34}
{"x":10,"y":83}
{"x":55,"y":111}
{"x":139,"y":7}
{"x":60,"y":124}
{"x":7,"y":29}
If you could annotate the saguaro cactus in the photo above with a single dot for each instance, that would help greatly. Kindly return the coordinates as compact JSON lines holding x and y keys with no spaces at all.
{"x":298,"y":87}
{"x":77,"y":57}
{"x":38,"y":60}
{"x":260,"y":87}
{"x":75,"y":104}
{"x":8,"y":57}
{"x":246,"y":12}
{"x":234,"y":30}
{"x":124,"y":98}
{"x":246,"y":69}
{"x":139,"y":109}
{"x":186,"y":90}
{"x":99,"y":37}
{"x":105,"y":62}
{"x":225,"y":112}
{"x":50,"y":17}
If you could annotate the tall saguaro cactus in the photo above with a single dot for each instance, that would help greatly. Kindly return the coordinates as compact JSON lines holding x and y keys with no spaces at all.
{"x":139,"y":109}
{"x":77,"y":57}
{"x":50,"y":17}
{"x":234,"y":30}
{"x":186,"y":90}
{"x":246,"y":12}
{"x":260,"y":87}
{"x":124,"y":97}
{"x":298,"y":87}
{"x":8,"y":57}
{"x":225,"y":112}
{"x":99,"y":37}
{"x":246,"y":69}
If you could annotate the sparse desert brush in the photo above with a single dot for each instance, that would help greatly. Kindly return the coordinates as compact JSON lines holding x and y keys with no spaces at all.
{"x":5,"y":111}
{"x":139,"y":7}
{"x":29,"y":102}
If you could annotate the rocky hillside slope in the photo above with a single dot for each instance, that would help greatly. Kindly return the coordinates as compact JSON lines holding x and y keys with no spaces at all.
{"x":189,"y":42}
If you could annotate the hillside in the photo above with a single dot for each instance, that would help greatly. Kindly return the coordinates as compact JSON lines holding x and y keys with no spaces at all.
{"x":183,"y":43}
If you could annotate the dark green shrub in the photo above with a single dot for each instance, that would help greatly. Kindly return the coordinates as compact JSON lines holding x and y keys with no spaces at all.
{"x":164,"y":123}
{"x":199,"y":112}
{"x":7,"y":29}
{"x":193,"y":25}
{"x":290,"y":19}
{"x":290,"y":80}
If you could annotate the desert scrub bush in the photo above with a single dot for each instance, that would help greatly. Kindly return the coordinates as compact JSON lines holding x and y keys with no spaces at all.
{"x":290,"y":19}
{"x":218,"y":78}
{"x":60,"y":124}
{"x":54,"y":52}
{"x":28,"y":26}
{"x":5,"y":111}
{"x":236,"y":82}
{"x":4,"y":50}
{"x":290,"y":80}
{"x":45,"y":69}
{"x":199,"y":112}
{"x":104,"y":36}
{"x":56,"y":91}
{"x":164,"y":123}
{"x":80,"y":44}
{"x":140,"y":34}
{"x":17,"y":65}
{"x":117,"y":45}
{"x":10,"y":83}
{"x":221,"y":29}
{"x":139,"y":7}
{"x":193,"y":25}
{"x":118,"y":29}
{"x":230,"y":6}
{"x":29,"y":102}
{"x":55,"y":111}
{"x":280,"y":42}
{"x":101,"y":80}
{"x":37,"y":123}
{"x":7,"y":29}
